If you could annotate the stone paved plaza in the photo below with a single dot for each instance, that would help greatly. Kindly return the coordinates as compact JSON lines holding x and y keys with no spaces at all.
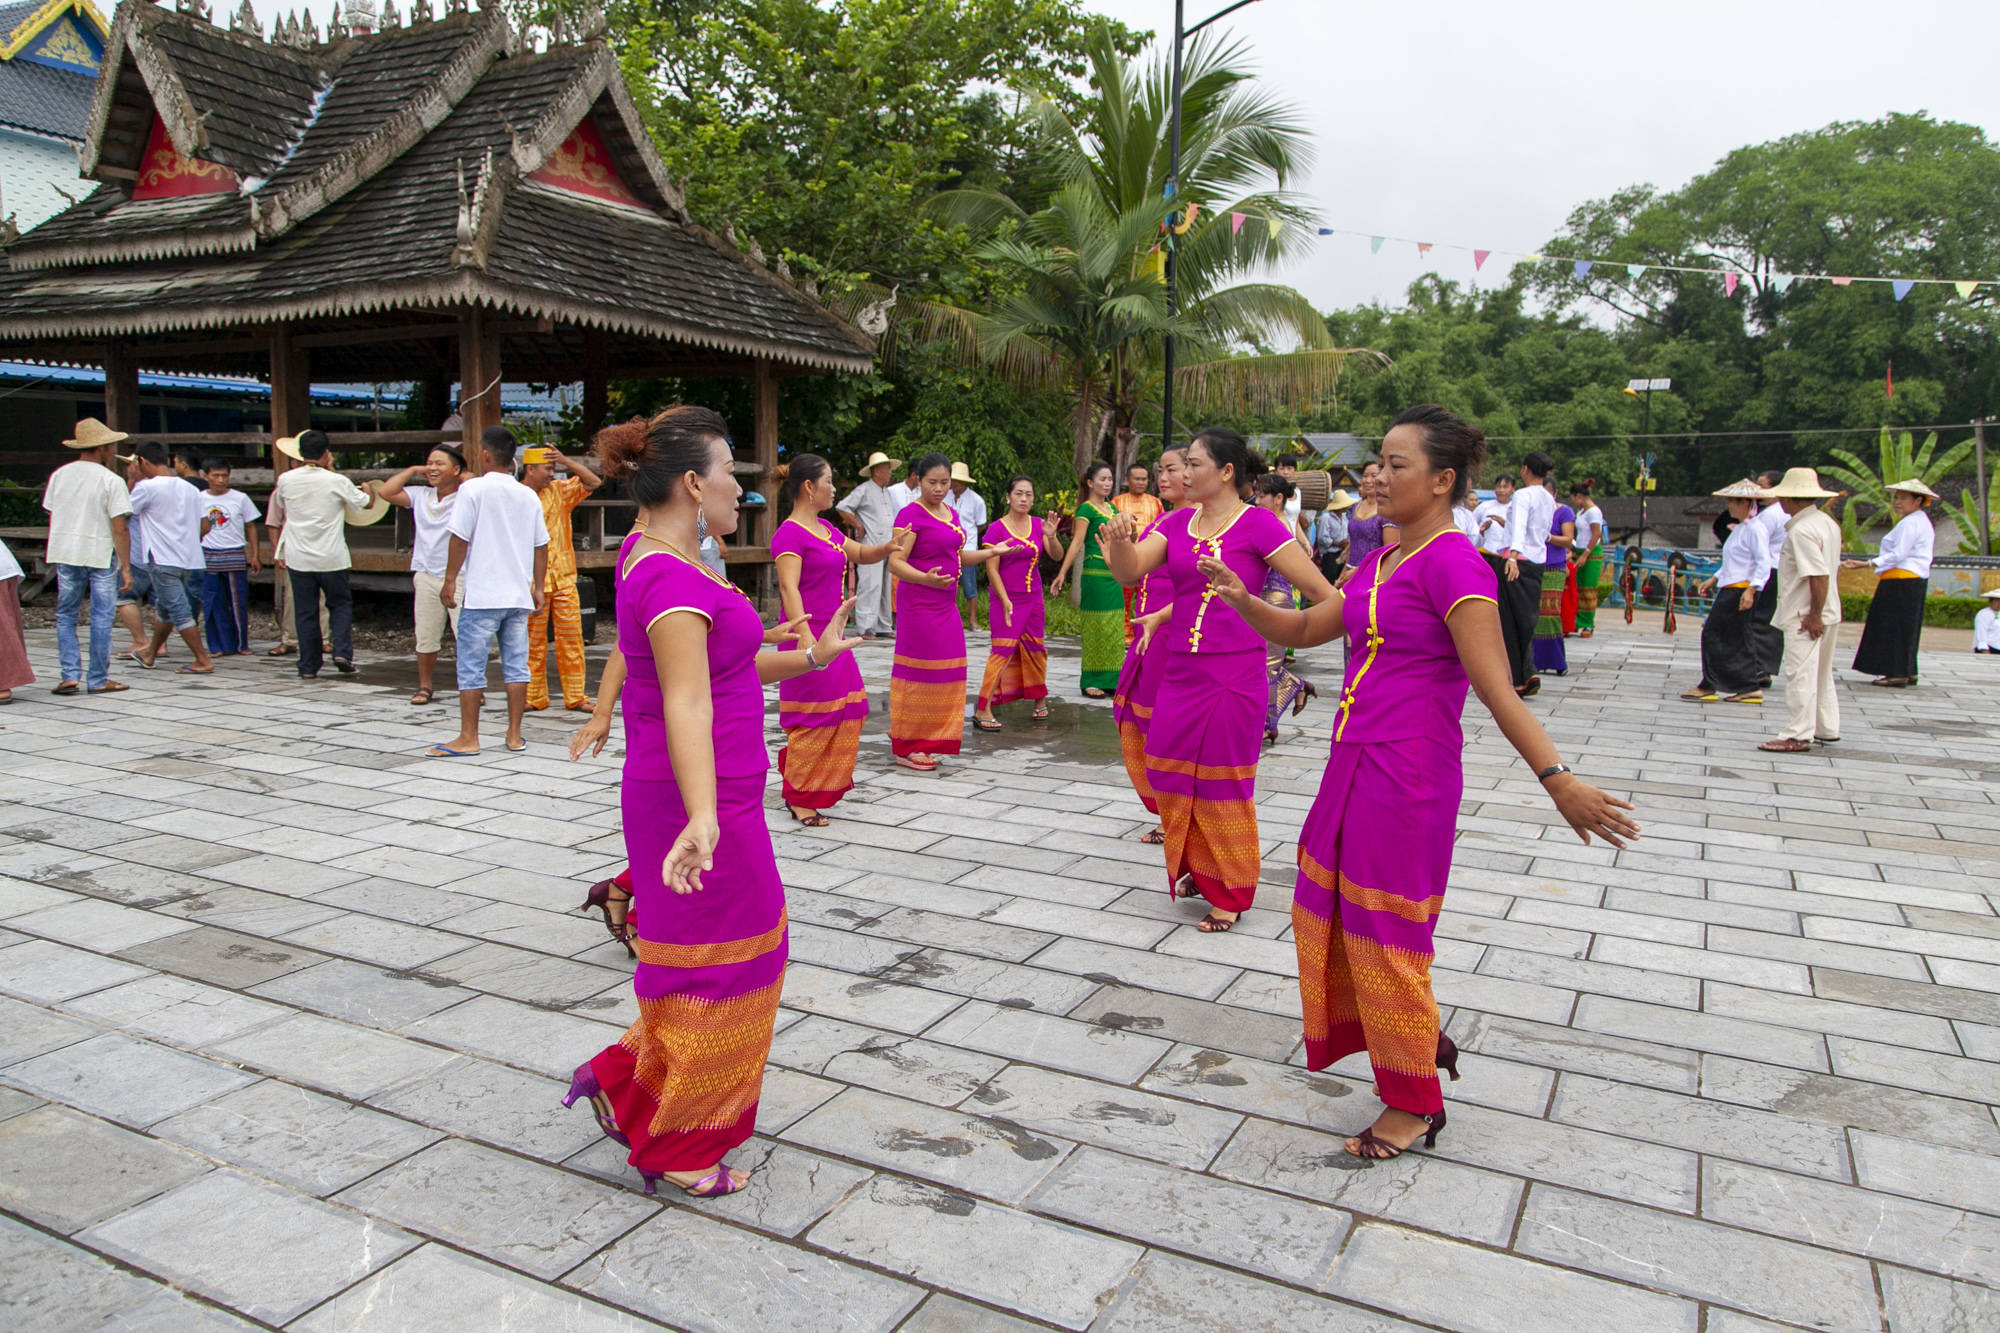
{"x":292,"y":1009}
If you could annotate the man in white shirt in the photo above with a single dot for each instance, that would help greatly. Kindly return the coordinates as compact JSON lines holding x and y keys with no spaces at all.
{"x":971,"y":510}
{"x":230,"y":553}
{"x":309,"y":509}
{"x":1768,"y":639}
{"x":1986,"y":625}
{"x":870,"y":512}
{"x":497,"y":576}
{"x":1531,"y":516}
{"x":171,"y":512}
{"x":1489,"y":517}
{"x":90,"y":547}
{"x":905,"y":491}
{"x":1808,"y":612}
{"x":430,"y":506}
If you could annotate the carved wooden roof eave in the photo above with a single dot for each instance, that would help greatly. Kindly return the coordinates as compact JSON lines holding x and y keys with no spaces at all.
{"x":170,"y":98}
{"x":467,"y":287}
{"x":177,"y":243}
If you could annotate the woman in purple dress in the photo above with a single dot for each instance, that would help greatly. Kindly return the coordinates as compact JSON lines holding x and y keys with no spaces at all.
{"x":1421,"y":620}
{"x":1367,"y":530}
{"x":679,"y":1090}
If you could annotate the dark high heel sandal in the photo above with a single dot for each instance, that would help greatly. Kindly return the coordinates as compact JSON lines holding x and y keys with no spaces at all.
{"x":1447,"y":1058}
{"x":602,"y":894}
{"x":1374,"y":1148}
{"x":583,"y":1084}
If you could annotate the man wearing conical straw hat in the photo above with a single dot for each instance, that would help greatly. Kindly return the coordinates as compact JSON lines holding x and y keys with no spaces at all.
{"x":1808,"y":612}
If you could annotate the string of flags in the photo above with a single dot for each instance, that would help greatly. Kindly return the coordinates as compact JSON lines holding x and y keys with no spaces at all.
{"x":1582,"y":268}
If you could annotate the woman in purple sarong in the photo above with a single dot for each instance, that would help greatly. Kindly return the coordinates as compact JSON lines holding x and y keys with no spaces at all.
{"x":1139,"y":679}
{"x":1421,"y":620}
{"x":680,"y":1088}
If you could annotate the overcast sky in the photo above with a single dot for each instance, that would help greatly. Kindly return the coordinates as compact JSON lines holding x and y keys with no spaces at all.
{"x":1484,"y":124}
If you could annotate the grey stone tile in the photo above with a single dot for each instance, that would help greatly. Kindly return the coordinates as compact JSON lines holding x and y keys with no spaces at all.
{"x":1072,"y":890}
{"x":27,"y":1030}
{"x":391,"y":944}
{"x":989,"y":1157}
{"x":1698,"y":962}
{"x":399,"y":902}
{"x":51,"y":973}
{"x":1195,"y":1298}
{"x":1942,"y":1175}
{"x":789,"y":1189}
{"x":788,"y":1095}
{"x":281,"y":874}
{"x":1239,"y":948}
{"x":14,"y":1103}
{"x":1008,"y":943}
{"x":257,"y":1248}
{"x":1775,"y":1278}
{"x":48,"y":1285}
{"x":882,"y":1004}
{"x":517,"y":1034}
{"x":1266,"y":994}
{"x":937,"y":969}
{"x":1920,"y":1303}
{"x":435,"y":1288}
{"x":322,"y":1053}
{"x":123,"y":1079}
{"x":223,"y":957}
{"x":299,"y":1138}
{"x":1138,"y":968}
{"x":364,"y":994}
{"x":883,"y":1061}
{"x":1417,"y":1188}
{"x":1459,"y":1286}
{"x":1976,"y":1006}
{"x":92,"y":924}
{"x":546,"y":892}
{"x":1577,"y":974}
{"x":168,"y":1311}
{"x":1978,"y":1080}
{"x":948,"y":1314}
{"x":1258,"y":1087}
{"x":1700,"y":1125}
{"x":1285,"y":1238}
{"x":709,"y":1277}
{"x":19,"y":896}
{"x":1816,"y":953}
{"x":66,"y":1170}
{"x":481,"y":1100}
{"x":1946,"y":1241}
{"x":1830,"y":1016}
{"x":172,"y":852}
{"x":1079,"y":923}
{"x":185,"y":1013}
{"x":251,"y":911}
{"x":1845,"y":1101}
{"x":534,"y":1218}
{"x":976,"y":1249}
{"x":1655,"y":1064}
{"x":1545,"y":1150}
{"x":564,"y":933}
{"x":1702,"y":1032}
{"x":1161,"y":1128}
{"x":426,"y":869}
{"x":521,"y":975}
{"x":1042,"y":1039}
{"x":1179,"y":1018}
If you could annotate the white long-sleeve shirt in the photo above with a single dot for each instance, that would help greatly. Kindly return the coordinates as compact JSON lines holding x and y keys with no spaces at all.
{"x":1746,"y":556}
{"x":1986,"y":631}
{"x":1909,"y":545}
{"x":1531,"y":516}
{"x":1774,"y":518}
{"x":1492,"y":538}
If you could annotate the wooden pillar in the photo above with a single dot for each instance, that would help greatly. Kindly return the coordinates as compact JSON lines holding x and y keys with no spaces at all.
{"x":596,"y":384}
{"x":291,"y":390}
{"x":121,"y":388}
{"x":478,"y":378}
{"x":764,"y":385}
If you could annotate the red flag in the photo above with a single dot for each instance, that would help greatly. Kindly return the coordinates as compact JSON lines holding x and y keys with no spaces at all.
{"x":1889,"y":381}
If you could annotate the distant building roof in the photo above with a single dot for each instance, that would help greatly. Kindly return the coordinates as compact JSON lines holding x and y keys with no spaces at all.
{"x":516,"y":399}
{"x":50,"y":55}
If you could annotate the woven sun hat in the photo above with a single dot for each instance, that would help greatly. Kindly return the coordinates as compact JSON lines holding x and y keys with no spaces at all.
{"x":877,"y":459}
{"x":959,"y":472}
{"x":1340,"y":502}
{"x":1993,"y":591}
{"x":539,"y":456}
{"x":288,"y":445}
{"x":361,"y":518}
{"x":1913,"y":486}
{"x":1800,"y":483}
{"x":93,"y":434}
{"x":1745,"y":489}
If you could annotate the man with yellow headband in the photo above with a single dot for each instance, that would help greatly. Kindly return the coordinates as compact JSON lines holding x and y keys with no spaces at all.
{"x":560,"y":495}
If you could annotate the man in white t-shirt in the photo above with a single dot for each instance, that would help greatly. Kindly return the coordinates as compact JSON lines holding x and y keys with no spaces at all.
{"x":497,"y":575}
{"x":1531,"y":517}
{"x":171,"y":513}
{"x":971,"y":509}
{"x":90,"y":546}
{"x":1489,"y":518}
{"x":309,"y":509}
{"x":904,"y":491}
{"x":230,"y":553}
{"x":430,"y":506}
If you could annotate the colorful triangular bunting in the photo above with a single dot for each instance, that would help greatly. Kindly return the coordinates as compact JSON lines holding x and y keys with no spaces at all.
{"x":1479,"y":258}
{"x":1635,"y":271}
{"x":1843,"y":282}
{"x":1583,"y":267}
{"x":1375,"y":244}
{"x":1901,"y":286}
{"x":1780,"y":281}
{"x":1729,"y":281}
{"x":1966,"y":288}
{"x":1236,"y":221}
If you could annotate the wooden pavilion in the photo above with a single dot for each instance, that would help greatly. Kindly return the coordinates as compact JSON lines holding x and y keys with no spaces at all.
{"x":434,"y":203}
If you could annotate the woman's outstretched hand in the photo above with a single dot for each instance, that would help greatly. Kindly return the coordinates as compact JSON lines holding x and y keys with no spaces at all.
{"x":1123,"y":528}
{"x":791,"y":632}
{"x":591,"y":736}
{"x":1589,"y":811}
{"x":835,"y":641}
{"x":693,"y":853}
{"x":1224,"y":581}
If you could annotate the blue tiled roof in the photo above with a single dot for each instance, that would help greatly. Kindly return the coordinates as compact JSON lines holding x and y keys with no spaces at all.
{"x":44,"y":100}
{"x":515,"y":398}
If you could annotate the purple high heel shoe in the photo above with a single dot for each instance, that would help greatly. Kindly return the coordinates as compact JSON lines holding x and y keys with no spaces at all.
{"x":583,"y":1084}
{"x":711,"y":1186}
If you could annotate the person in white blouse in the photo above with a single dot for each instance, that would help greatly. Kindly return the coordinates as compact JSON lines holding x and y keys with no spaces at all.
{"x":1765,"y":636}
{"x":1729,"y":665}
{"x":1895,"y":622}
{"x":1986,"y":625}
{"x":1531,"y":516}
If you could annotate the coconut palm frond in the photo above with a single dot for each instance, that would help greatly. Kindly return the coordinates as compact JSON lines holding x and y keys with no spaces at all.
{"x":1262,"y":310}
{"x":980,"y":212}
{"x":1292,"y":383}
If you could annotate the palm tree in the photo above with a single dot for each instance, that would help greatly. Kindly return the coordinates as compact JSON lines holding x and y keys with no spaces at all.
{"x":1087,"y":311}
{"x":1900,"y":459}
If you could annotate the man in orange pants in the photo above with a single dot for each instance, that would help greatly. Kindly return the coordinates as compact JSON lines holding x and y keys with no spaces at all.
{"x":560,"y":496}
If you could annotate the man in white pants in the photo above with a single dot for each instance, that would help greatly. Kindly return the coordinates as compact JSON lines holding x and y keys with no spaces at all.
{"x":1808,"y":612}
{"x":871,"y":513}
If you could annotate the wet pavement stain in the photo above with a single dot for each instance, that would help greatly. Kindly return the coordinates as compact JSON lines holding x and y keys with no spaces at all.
{"x":909,"y":1140}
{"x":1110,"y":1112}
{"x":1024,"y":1144}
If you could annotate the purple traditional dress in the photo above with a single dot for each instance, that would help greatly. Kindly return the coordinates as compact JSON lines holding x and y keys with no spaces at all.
{"x":1208,"y":714}
{"x":681,"y":1086}
{"x":821,"y":711}
{"x":1376,"y":851}
{"x":1139,"y":679}
{"x":927,"y":679}
{"x":1018,"y":665}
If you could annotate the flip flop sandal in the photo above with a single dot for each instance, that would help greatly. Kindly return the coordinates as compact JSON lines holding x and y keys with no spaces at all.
{"x":141,"y":662}
{"x":68,"y":687}
{"x":517,"y":749}
{"x":983,"y":725}
{"x":446,"y":752}
{"x":909,"y":761}
{"x":1039,"y":715}
{"x":281,"y":651}
{"x":1754,"y":697}
{"x":194,"y":671}
{"x":422,"y":697}
{"x":1700,"y":696}
{"x":1785,"y":747}
{"x":111,"y":687}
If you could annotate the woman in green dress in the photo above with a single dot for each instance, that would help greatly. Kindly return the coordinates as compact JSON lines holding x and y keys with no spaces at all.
{"x":1103,"y":600}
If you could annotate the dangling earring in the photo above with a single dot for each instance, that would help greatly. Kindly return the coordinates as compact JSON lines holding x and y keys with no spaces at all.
{"x":701,"y":525}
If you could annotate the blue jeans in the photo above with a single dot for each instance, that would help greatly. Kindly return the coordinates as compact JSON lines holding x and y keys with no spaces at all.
{"x":176,"y":593}
{"x":476,"y":632}
{"x":73,"y":584}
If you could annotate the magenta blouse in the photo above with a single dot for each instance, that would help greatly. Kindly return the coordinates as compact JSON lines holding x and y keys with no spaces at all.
{"x":1156,"y":590}
{"x":1020,"y":561}
{"x":1404,"y":678}
{"x":822,"y":554}
{"x":939,"y":540}
{"x":650,"y":586}
{"x":1203,"y":622}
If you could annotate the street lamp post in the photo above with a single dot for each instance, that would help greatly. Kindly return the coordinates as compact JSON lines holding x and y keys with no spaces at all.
{"x":1181,"y":33}
{"x":1637,"y":388}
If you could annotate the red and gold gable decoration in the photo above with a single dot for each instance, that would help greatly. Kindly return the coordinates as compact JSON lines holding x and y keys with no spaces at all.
{"x":165,"y":174}
{"x":583,"y":166}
